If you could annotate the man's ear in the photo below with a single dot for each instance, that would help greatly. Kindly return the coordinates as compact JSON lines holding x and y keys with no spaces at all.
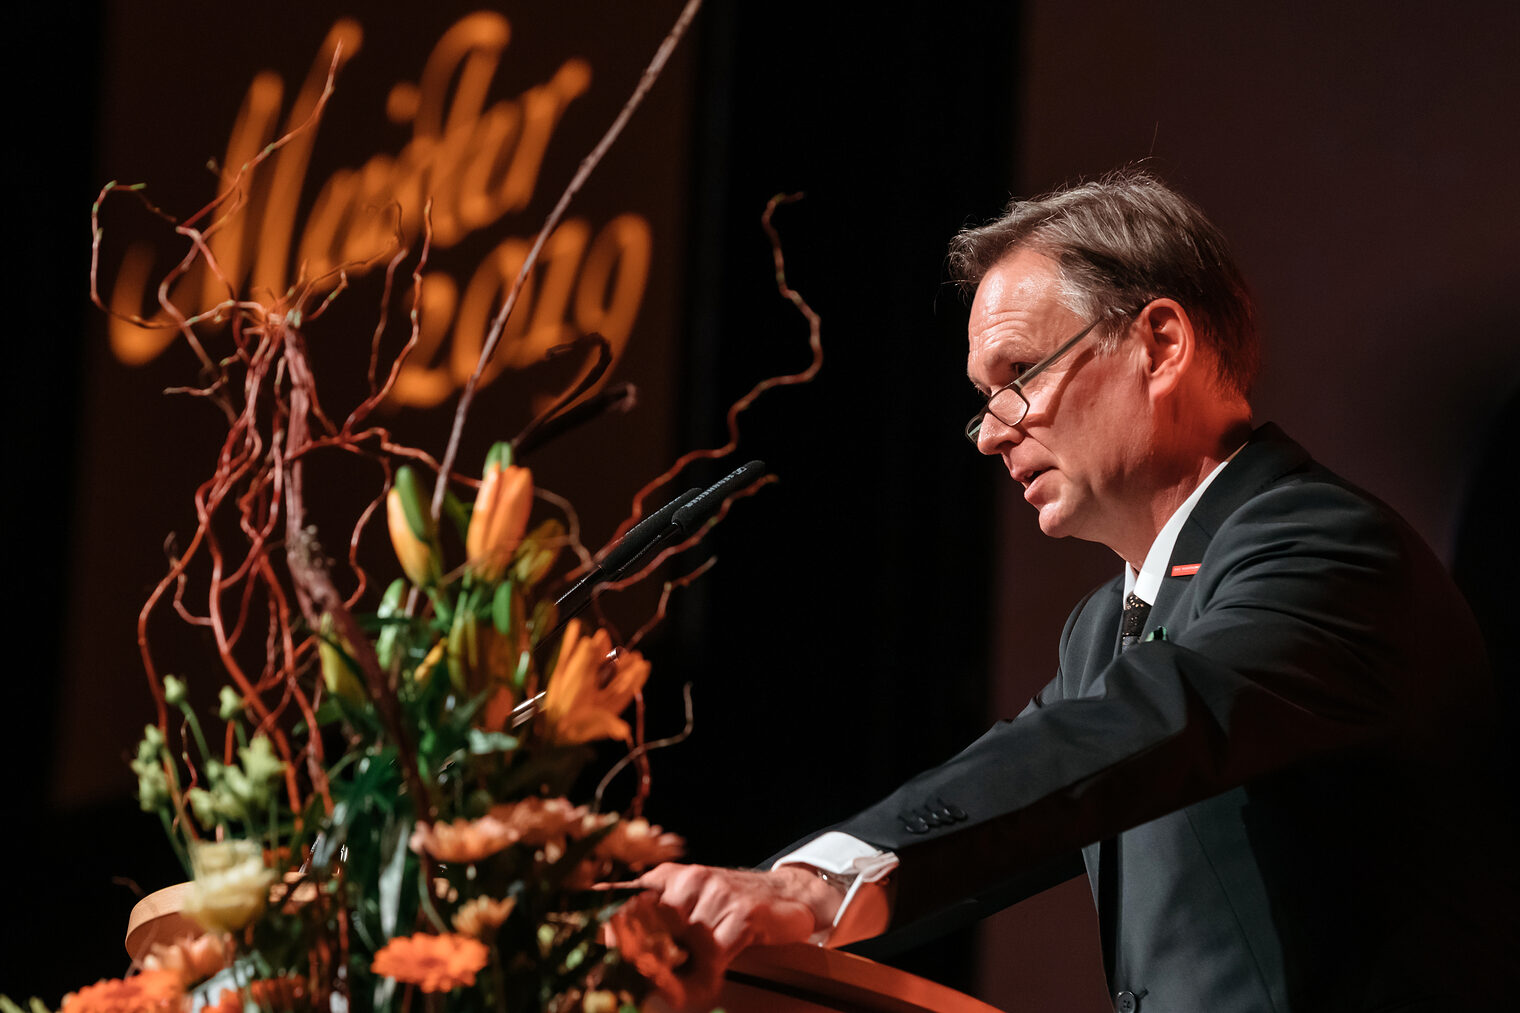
{"x":1171,"y":344}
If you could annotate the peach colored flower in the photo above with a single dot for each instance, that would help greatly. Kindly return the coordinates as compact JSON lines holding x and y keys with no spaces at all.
{"x":639,"y":844}
{"x":545,"y":820}
{"x":295,"y":890}
{"x":438,"y":963}
{"x":463,"y":841}
{"x":479,"y":917}
{"x":193,"y":958}
{"x":499,"y":519}
{"x":148,"y":992}
{"x":590,"y":687}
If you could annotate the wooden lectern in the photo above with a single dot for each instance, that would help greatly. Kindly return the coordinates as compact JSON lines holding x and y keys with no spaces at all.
{"x":801,"y":979}
{"x":764,"y":979}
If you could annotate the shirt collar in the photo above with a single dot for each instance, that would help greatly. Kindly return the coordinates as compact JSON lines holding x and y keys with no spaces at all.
{"x":1147,"y":582}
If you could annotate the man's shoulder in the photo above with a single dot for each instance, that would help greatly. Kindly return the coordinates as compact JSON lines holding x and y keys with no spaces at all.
{"x":1273,"y":475}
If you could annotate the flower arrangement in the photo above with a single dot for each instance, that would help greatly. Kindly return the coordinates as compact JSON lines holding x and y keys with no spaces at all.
{"x":381,"y":815}
{"x":438,"y":852}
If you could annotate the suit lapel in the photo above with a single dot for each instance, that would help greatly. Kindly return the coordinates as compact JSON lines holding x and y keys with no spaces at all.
{"x":1266,"y":458}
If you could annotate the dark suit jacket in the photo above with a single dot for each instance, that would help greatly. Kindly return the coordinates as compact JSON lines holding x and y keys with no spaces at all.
{"x":1298,"y":776}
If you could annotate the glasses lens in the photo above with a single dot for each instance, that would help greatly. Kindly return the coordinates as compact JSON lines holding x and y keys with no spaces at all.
{"x":1009,"y":406}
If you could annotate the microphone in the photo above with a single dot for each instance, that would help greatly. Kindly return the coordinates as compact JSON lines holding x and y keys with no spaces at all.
{"x":706,"y":503}
{"x":676,"y":519}
{"x":624,"y":552}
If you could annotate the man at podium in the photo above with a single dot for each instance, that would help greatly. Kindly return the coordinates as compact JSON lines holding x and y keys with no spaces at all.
{"x":1271,"y":739}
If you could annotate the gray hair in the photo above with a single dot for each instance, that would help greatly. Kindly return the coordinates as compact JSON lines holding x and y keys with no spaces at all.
{"x":1121,"y":241}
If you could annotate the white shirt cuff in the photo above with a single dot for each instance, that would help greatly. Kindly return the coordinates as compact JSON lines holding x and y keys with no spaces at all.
{"x":841,"y":855}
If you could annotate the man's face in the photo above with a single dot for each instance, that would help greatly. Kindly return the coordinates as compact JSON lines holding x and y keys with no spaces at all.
{"x":1079,"y":450}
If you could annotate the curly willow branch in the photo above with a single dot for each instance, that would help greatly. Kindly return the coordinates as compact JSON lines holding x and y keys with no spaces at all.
{"x":815,"y":343}
{"x":582,"y":173}
{"x":265,"y":389}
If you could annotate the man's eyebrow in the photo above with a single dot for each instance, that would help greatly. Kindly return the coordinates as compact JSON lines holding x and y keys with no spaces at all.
{"x":1005,"y":351}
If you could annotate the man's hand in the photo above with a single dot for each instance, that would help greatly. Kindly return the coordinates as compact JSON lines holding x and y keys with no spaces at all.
{"x":742,"y":907}
{"x":726,"y":910}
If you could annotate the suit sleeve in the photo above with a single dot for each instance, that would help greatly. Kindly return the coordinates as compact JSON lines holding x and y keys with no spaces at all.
{"x":1304,"y":636}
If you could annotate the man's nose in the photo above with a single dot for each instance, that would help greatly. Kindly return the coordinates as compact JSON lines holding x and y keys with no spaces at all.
{"x":994,"y":434}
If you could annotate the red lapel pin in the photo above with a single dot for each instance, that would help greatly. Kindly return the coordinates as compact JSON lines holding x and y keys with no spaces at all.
{"x":1185,"y":569}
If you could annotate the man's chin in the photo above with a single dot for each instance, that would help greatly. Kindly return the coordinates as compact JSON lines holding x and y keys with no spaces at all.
{"x":1053,"y":521}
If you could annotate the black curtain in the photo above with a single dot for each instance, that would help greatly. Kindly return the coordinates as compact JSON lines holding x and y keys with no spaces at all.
{"x":840,"y":643}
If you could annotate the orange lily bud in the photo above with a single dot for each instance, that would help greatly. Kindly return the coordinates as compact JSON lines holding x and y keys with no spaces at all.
{"x":499,"y":520}
{"x":411,"y":528}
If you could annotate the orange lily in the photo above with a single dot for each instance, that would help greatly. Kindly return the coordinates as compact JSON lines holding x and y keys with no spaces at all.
{"x":590,"y":687}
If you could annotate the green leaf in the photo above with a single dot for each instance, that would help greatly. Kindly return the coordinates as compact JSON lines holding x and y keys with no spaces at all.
{"x":393,"y":841}
{"x":501,"y":608}
{"x":485,"y":743}
{"x":458,"y":513}
{"x":384,"y":989}
{"x":328,"y":712}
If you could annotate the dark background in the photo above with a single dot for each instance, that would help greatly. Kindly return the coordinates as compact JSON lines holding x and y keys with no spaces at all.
{"x":1363,"y":160}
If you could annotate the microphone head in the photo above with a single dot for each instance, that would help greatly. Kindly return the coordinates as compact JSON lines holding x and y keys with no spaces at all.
{"x":644,"y":532}
{"x":705,"y":505}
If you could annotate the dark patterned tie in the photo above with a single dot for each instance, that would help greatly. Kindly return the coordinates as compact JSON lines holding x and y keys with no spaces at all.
{"x":1132,"y":622}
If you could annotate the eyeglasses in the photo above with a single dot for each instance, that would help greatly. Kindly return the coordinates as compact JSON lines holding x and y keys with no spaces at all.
{"x":1008,"y":404}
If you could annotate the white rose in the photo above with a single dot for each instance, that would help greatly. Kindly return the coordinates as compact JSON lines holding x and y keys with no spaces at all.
{"x":231,"y":885}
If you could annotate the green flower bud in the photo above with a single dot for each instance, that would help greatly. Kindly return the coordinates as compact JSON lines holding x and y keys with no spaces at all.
{"x":152,"y":784}
{"x":229,"y":703}
{"x":203,"y":804}
{"x":174,"y":691}
{"x":152,"y":745}
{"x":263,"y":770}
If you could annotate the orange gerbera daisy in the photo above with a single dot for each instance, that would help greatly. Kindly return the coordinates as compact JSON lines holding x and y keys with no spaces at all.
{"x":639,"y":844}
{"x":590,"y":687}
{"x":148,"y":992}
{"x":438,"y":963}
